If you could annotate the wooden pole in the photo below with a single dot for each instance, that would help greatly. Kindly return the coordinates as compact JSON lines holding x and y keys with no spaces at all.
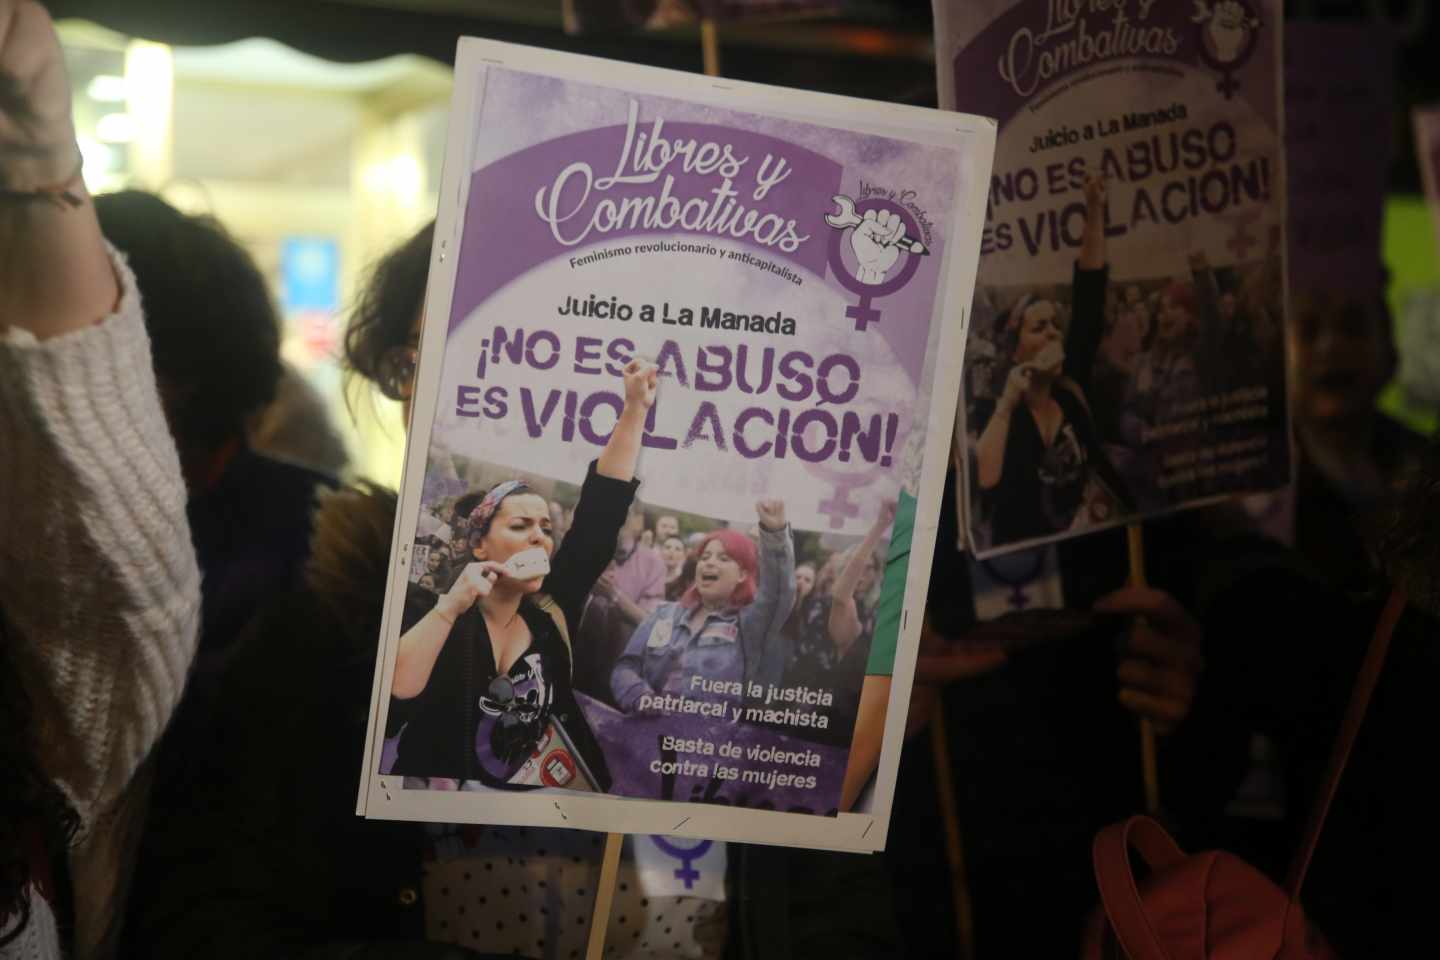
{"x":954,"y":852}
{"x":604,"y":896}
{"x":1149,"y":766}
{"x":710,"y":46}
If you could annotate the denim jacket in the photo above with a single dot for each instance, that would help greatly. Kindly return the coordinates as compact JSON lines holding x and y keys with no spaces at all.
{"x":745,"y":644}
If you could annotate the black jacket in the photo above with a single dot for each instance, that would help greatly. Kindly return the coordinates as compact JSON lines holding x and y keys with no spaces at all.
{"x":440,"y":724}
{"x":1024,"y":506}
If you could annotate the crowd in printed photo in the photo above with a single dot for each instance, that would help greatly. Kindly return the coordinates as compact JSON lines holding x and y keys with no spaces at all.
{"x":654,"y":565}
{"x":1078,"y":395}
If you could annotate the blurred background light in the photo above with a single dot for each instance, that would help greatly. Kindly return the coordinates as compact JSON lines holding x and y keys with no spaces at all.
{"x":106,"y":88}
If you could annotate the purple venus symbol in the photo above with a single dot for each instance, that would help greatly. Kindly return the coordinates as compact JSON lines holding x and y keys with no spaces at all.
{"x":863,"y":313}
{"x":686,"y":856}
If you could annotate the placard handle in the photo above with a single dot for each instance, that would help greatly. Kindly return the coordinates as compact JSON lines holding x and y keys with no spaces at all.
{"x":954,"y":851}
{"x":710,"y":46}
{"x":1149,"y":766}
{"x":604,"y":895}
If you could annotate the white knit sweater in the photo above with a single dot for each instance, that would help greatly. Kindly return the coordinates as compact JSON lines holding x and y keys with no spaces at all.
{"x":98,"y":580}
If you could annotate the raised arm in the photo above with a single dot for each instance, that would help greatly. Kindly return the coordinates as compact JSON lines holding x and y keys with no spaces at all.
{"x":1209,"y":361}
{"x":589,"y":544}
{"x":420,"y":645}
{"x":762,"y":622}
{"x":605,"y":499}
{"x":845,"y":626}
{"x":1088,"y":286}
{"x":990,"y":448}
{"x":98,"y":579}
{"x":1207,"y":290}
{"x":1092,"y":243}
{"x":622,"y":451}
{"x":55,"y":276}
{"x":634,"y":613}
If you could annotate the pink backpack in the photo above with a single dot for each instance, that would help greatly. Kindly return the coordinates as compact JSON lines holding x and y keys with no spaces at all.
{"x":1215,"y":906}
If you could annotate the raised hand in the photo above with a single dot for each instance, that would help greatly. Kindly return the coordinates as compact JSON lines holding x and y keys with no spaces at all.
{"x":37,"y":134}
{"x":474,"y":583}
{"x":771,"y":514}
{"x":605,"y":586}
{"x":642,"y":379}
{"x":1019,"y":380}
{"x":1095,"y":194}
{"x":55,"y":276}
{"x":1160,"y":659}
{"x":874,"y":244}
{"x":622,"y":450}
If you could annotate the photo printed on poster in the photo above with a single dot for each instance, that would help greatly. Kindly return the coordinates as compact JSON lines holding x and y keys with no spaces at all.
{"x":1126,"y":354}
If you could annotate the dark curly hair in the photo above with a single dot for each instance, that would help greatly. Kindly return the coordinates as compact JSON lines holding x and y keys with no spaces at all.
{"x":386,"y":309}
{"x":213,"y":327}
{"x":29,"y":801}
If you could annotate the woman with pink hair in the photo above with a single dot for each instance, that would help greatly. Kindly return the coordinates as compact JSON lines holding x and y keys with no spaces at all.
{"x":728,"y":627}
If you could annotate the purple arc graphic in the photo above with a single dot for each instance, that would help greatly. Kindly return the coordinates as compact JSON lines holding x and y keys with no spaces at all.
{"x":863,"y":313}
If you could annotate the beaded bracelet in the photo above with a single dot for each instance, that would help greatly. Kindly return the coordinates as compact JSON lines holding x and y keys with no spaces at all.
{"x":61,"y":194}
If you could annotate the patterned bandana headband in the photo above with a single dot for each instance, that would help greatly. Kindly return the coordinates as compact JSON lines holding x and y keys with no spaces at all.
{"x":1017,"y":312}
{"x":484,"y":512}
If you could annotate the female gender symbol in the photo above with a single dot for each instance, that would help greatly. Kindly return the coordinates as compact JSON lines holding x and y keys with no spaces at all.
{"x":686,"y":856}
{"x":862,"y":313}
{"x":1227,"y":33}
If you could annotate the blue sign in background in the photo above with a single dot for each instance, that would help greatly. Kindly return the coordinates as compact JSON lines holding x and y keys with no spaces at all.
{"x":309,"y":273}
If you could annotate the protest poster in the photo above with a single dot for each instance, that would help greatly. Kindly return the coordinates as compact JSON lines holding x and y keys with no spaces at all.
{"x":764,"y":293}
{"x":1126,"y":356}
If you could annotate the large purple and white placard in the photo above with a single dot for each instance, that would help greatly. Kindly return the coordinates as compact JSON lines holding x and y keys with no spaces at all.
{"x":1126,"y":357}
{"x":765,"y":294}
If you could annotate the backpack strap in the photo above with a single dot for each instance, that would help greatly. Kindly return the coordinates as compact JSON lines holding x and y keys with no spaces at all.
{"x":1365,"y":682}
{"x":1118,"y":891}
{"x":546,"y":604}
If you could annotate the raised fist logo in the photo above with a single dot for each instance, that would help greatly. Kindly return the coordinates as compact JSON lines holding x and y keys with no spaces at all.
{"x":1228,"y":26}
{"x":877,"y":240}
{"x":874,"y":244}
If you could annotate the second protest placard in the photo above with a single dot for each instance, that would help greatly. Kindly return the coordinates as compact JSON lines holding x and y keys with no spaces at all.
{"x":1127,"y":356}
